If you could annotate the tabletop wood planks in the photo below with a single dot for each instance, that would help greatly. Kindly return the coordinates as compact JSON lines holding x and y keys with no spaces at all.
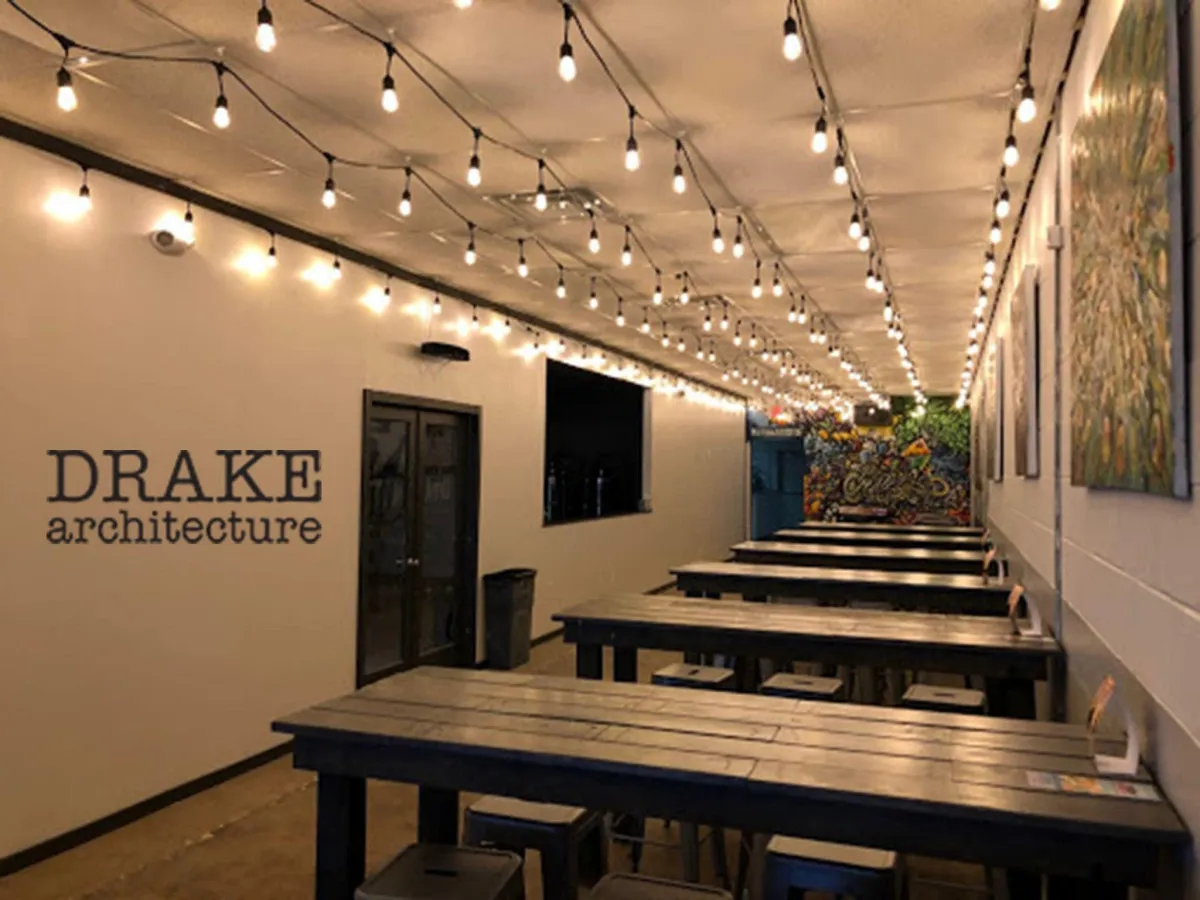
{"x":886,"y":559}
{"x":874,"y":538}
{"x":974,"y":531}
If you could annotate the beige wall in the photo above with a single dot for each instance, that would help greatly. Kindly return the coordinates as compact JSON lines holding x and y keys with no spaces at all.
{"x":126,"y":670}
{"x":1130,"y":571}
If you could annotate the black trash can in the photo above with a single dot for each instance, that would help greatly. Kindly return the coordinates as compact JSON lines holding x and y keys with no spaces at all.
{"x":508,"y":616}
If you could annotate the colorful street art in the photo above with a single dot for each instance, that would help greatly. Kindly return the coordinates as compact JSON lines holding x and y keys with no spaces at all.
{"x":919,"y":465}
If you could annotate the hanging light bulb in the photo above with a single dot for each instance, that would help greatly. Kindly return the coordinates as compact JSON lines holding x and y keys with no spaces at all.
{"x":995,"y":233}
{"x":889,"y":313}
{"x":633,"y":159}
{"x":566,"y":58}
{"x":272,"y":254}
{"x":540,"y":201}
{"x":753,"y":342}
{"x":699,"y":351}
{"x":841,"y":174}
{"x":593,"y":300}
{"x":506,"y":327}
{"x":737,"y":335}
{"x":802,"y":312}
{"x":821,"y":336}
{"x":988,"y":281}
{"x":187,"y":229}
{"x":820,"y":138}
{"x":666,"y":338}
{"x":777,"y":283}
{"x":67,"y":100}
{"x":1011,"y":154}
{"x":678,"y":181}
{"x":470,"y":256}
{"x":684,"y":293}
{"x":560,"y":289}
{"x":329,"y":195}
{"x":864,"y":239}
{"x":681,"y":346}
{"x":645,"y":322}
{"x":871,"y":276}
{"x":627,"y":250}
{"x":792,"y":314}
{"x":725,"y":320}
{"x":474,"y":175}
{"x":1049,"y":5}
{"x":739,"y":248}
{"x":437,"y":305}
{"x":474,"y":319}
{"x":855,"y":230}
{"x":594,"y":236}
{"x":793,"y":47}
{"x":221,"y":110}
{"x":1027,"y":107}
{"x":989,"y":263}
{"x":756,"y":288}
{"x":406,"y":196}
{"x":718,"y":242}
{"x":712,"y":352}
{"x":658,"y":290}
{"x":522,"y":266}
{"x":85,"y":200}
{"x":264,"y":34}
{"x":389,"y":100}
{"x":1003,"y":204}
{"x":336,"y":269}
{"x":620,"y":313}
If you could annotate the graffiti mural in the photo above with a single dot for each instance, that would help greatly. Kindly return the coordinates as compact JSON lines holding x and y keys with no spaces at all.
{"x":919,"y":465}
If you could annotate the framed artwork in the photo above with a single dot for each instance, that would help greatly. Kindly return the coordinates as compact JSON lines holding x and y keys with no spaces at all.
{"x":994,"y":410}
{"x":1129,"y":428}
{"x":1023,"y":329}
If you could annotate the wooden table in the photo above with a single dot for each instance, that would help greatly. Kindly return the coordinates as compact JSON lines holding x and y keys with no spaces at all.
{"x":944,"y":786}
{"x":893,"y":528}
{"x":924,"y":642}
{"x":891,"y":559}
{"x":865,"y":538}
{"x":962,"y":594}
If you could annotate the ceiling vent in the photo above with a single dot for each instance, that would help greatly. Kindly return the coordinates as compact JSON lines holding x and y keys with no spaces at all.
{"x":568,"y":203}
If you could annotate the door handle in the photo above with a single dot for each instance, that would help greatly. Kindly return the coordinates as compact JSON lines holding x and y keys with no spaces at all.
{"x":413,"y":561}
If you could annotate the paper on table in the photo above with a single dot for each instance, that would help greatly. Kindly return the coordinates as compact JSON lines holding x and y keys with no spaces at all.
{"x":1113,"y":765}
{"x":1097,"y":787}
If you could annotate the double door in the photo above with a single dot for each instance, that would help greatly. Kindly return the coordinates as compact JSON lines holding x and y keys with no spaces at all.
{"x":417,"y":544}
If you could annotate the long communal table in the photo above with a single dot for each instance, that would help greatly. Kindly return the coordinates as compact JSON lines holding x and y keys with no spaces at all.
{"x":961,"y":594}
{"x":891,"y":559}
{"x":865,"y":538}
{"x":961,"y":645}
{"x":918,"y":782}
{"x":892,"y":528}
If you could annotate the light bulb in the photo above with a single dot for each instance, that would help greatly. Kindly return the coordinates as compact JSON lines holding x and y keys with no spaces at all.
{"x":566,"y":62}
{"x":1027,"y":108}
{"x":337,"y":269}
{"x":539,"y":201}
{"x":470,"y":256}
{"x":474,"y":319}
{"x":593,"y":300}
{"x":864,"y":239}
{"x":84,"y":203}
{"x":658,"y":294}
{"x":791,"y":316}
{"x":739,"y":248}
{"x":329,"y":195}
{"x":888,"y":312}
{"x":633,"y":159}
{"x":840,"y":173}
{"x":870,"y":279}
{"x":594,"y":239}
{"x":666,"y":340}
{"x":272,"y":256}
{"x":684,"y":295}
{"x":725,"y":322}
{"x":988,"y":281}
{"x":718,"y":242}
{"x":560,"y":289}
{"x":678,"y":182}
{"x":264,"y":34}
{"x":700,"y":353}
{"x":712,"y":354}
{"x":681,"y":346}
{"x":474,"y":176}
{"x":793,"y":47}
{"x":620,"y":315}
{"x":221,"y":113}
{"x":756,"y":288}
{"x":820,"y":138}
{"x":989,"y":264}
{"x":737,"y":337}
{"x":1011,"y":154}
{"x":406,"y":203}
{"x":626,"y":255}
{"x":995,"y":233}
{"x":1050,"y":5}
{"x":1003,"y":204}
{"x":523,"y":269}
{"x":437,"y":305}
{"x":855,"y":230}
{"x":67,"y":101}
{"x":777,"y":287}
{"x":708,"y":321}
{"x":645,"y":325}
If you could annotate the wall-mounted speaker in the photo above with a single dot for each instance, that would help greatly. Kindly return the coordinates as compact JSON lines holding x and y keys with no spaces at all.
{"x":451,"y":352}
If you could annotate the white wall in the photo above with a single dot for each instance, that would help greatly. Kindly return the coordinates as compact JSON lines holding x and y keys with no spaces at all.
{"x":1130,"y":571}
{"x":126,"y":670}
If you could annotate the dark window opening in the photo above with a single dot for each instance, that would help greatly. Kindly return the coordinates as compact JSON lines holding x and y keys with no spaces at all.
{"x":594,"y":445}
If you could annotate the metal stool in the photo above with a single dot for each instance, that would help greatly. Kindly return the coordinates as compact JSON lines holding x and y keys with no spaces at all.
{"x":436,"y":872}
{"x":944,"y":699}
{"x":639,"y":887}
{"x":686,"y":675}
{"x":793,"y":864}
{"x":804,"y":687}
{"x":564,"y":836}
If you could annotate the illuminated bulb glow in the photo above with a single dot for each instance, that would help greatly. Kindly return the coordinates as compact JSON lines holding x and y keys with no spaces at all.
{"x":864,"y":239}
{"x":855,"y":230}
{"x":1011,"y":154}
{"x":718,"y":242}
{"x":474,"y":175}
{"x":566,"y":63}
{"x":658,"y":295}
{"x":264,"y":34}
{"x":376,"y":299}
{"x":633,"y":159}
{"x":793,"y":47}
{"x":389,"y":99}
{"x":406,"y":203}
{"x":1003,"y":205}
{"x":1027,"y":108}
{"x":840,"y":174}
{"x":67,"y":101}
{"x":820,"y":138}
{"x":995,"y":233}
{"x":594,"y":240}
{"x":329,"y":195}
{"x":221,"y":113}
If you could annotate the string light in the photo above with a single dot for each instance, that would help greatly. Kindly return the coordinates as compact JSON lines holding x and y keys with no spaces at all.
{"x":678,"y":181}
{"x":1011,"y":154}
{"x":627,"y":250}
{"x":620,"y":313}
{"x":272,"y":255}
{"x":474,"y":318}
{"x":791,"y":316}
{"x":864,"y":239}
{"x":666,"y":338}
{"x":1027,"y":107}
{"x":560,"y":289}
{"x":221,"y":110}
{"x":658,"y":289}
{"x":725,"y":320}
{"x":645,"y":322}
{"x":855,"y":230}
{"x":889,"y":313}
{"x":507,"y":328}
{"x":406,"y":196}
{"x":681,"y":346}
{"x":739,"y":248}
{"x":802,"y":313}
{"x":756,"y":288}
{"x":85,"y":200}
{"x":522,"y":265}
{"x":594,"y":236}
{"x":707,"y":319}
{"x":470,"y":256}
{"x":737,"y":334}
{"x":474,"y":175}
{"x":1003,"y":203}
{"x":718,"y":242}
{"x":699,"y":351}
{"x":437,"y":304}
{"x":712,"y":352}
{"x":593,"y":300}
{"x":388,"y":99}
{"x":633,"y":159}
{"x":539,"y":200}
{"x":329,"y":195}
{"x":989,"y":263}
{"x":566,"y":57}
{"x":841,"y":175}
{"x":753,"y":342}
{"x":264,"y":34}
{"x":793,"y":47}
{"x":777,"y":283}
{"x":995,"y":233}
{"x":187,"y":231}
{"x":336,"y":269}
{"x":684,"y":293}
{"x":820,"y":138}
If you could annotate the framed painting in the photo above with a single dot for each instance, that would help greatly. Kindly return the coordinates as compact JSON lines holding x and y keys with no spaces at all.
{"x":1023,"y":330}
{"x":1129,"y":428}
{"x":995,"y":410}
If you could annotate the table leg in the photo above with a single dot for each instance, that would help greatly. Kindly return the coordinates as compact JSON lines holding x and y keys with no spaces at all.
{"x":689,"y":846}
{"x":341,"y":835}
{"x":625,"y":663}
{"x":589,"y":661}
{"x":437,"y":816}
{"x":1056,"y":677}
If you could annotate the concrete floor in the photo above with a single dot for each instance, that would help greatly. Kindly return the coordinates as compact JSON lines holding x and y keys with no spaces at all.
{"x":252,"y":839}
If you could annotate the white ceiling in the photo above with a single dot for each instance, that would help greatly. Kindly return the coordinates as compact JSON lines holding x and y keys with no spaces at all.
{"x":923,"y":87}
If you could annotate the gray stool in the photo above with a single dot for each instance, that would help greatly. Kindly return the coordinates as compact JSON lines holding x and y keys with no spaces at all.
{"x":558,"y":833}
{"x":435,"y":872}
{"x":793,"y":864}
{"x":804,"y":687}
{"x":944,"y":699}
{"x":686,"y":675}
{"x":639,"y":887}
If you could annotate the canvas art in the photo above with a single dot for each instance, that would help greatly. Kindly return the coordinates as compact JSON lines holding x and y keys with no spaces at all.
{"x":995,"y":411}
{"x":979,"y":452}
{"x":1023,"y":330}
{"x":1128,"y":408}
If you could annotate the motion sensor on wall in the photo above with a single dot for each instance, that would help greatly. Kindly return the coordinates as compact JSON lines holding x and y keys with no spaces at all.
{"x":167,"y":242}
